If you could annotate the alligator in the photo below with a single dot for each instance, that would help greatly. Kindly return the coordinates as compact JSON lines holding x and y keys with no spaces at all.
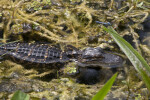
{"x":46,"y":54}
{"x":89,"y":61}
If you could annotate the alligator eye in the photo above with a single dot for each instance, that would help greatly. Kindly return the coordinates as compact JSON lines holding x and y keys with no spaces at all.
{"x":92,"y":53}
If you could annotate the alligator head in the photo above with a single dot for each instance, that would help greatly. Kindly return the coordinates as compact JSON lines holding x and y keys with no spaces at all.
{"x":98,"y":57}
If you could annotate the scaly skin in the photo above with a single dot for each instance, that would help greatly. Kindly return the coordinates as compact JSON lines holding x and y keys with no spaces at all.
{"x":45,"y":54}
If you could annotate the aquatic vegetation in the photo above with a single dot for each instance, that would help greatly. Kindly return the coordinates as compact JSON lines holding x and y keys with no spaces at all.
{"x":19,"y":95}
{"x":71,"y":22}
{"x":136,"y":59}
{"x":104,"y":90}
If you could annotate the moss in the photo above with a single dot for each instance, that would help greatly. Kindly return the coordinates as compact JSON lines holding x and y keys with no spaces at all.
{"x":67,"y":22}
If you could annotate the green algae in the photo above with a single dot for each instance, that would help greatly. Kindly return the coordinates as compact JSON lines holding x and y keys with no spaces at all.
{"x":69,"y":22}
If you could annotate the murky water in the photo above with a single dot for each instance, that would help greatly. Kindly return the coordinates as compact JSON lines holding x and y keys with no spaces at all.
{"x":72,"y":22}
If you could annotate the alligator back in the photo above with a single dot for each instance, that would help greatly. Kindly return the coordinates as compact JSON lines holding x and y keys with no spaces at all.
{"x":33,"y":52}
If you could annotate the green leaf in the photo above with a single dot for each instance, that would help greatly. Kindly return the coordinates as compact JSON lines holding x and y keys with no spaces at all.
{"x":105,"y":89}
{"x":136,"y":59}
{"x":19,"y":95}
{"x":145,"y":78}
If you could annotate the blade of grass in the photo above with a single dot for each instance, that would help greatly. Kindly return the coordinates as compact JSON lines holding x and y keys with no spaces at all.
{"x":136,"y":59}
{"x":5,"y":44}
{"x":19,"y":95}
{"x":105,"y":89}
{"x":9,"y":42}
{"x":135,"y":53}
